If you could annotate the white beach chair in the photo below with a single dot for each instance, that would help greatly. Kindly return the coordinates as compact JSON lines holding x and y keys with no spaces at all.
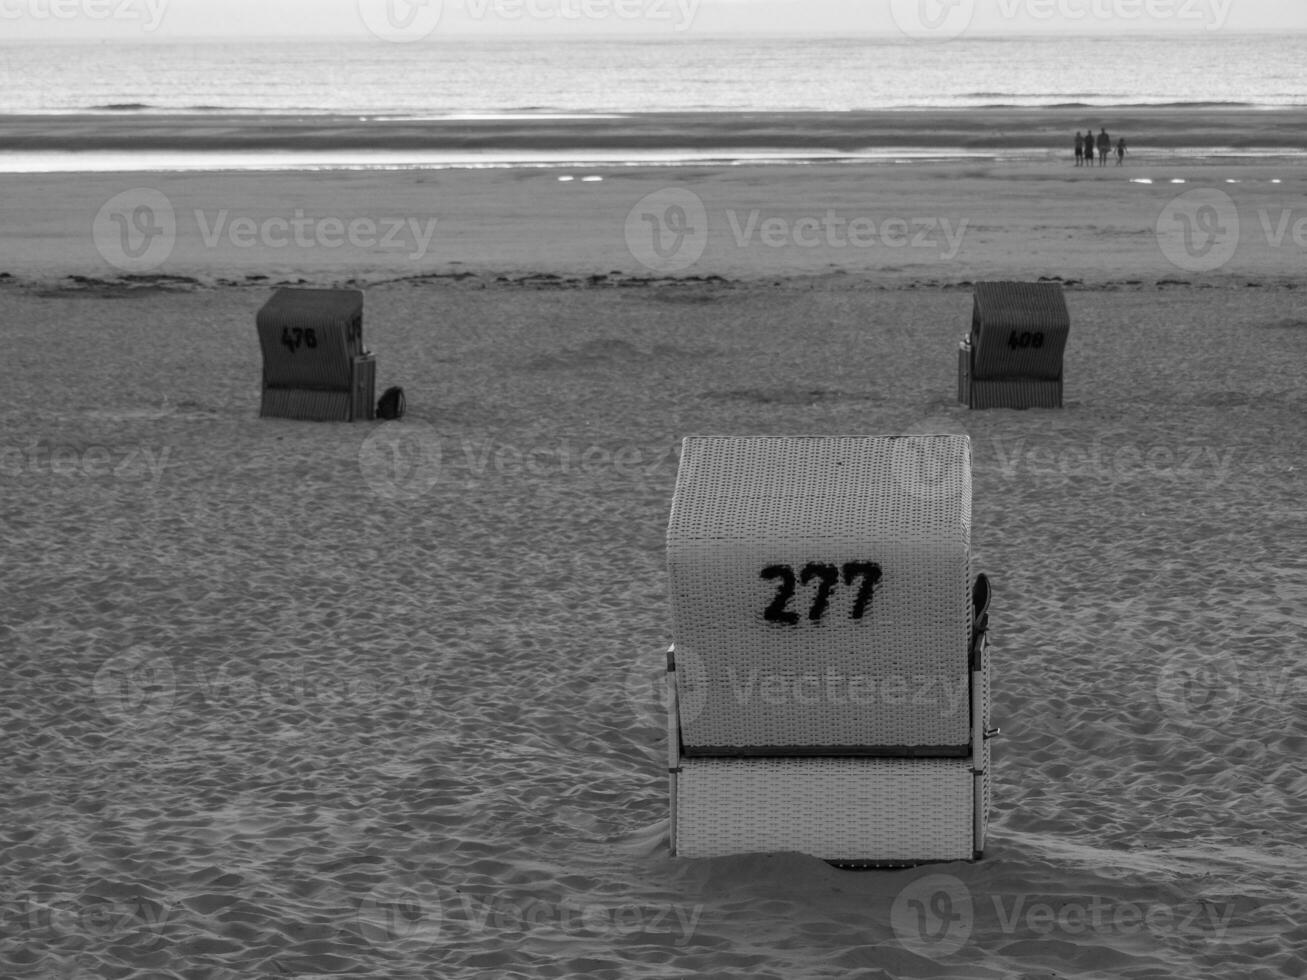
{"x":314,"y":364}
{"x":1012,"y":358}
{"x":824,"y":696}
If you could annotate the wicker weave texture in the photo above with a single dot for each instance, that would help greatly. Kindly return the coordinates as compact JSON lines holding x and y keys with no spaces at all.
{"x":295,"y":358}
{"x":306,"y":404}
{"x":364,"y":386}
{"x":964,"y":374}
{"x":1019,"y":330}
{"x":844,"y":510}
{"x":1016,"y":393}
{"x":864,"y":810}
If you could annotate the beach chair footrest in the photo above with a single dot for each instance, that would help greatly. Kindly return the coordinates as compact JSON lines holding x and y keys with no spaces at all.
{"x":848,"y":811}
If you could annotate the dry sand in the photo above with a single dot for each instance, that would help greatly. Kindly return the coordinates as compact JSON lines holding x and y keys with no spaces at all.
{"x":286,"y":699}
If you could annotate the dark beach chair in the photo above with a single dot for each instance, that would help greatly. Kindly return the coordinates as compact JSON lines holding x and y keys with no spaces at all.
{"x":828,"y":682}
{"x":1013,"y":356}
{"x":314,"y":364}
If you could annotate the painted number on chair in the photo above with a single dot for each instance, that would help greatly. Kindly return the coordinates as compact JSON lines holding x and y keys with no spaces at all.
{"x":293,"y":338}
{"x":1025,"y":339}
{"x":821,"y":584}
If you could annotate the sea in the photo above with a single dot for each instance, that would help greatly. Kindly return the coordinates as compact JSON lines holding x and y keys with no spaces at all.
{"x":558,"y":76}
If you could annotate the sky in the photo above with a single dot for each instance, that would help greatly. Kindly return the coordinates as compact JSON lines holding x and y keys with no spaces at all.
{"x":434,"y":20}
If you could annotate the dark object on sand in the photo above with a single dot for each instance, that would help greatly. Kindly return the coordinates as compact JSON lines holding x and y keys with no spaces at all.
{"x":314,"y":363}
{"x":1012,"y":358}
{"x":391,"y":403}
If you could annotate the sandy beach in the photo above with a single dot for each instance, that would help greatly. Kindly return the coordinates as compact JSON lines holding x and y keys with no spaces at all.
{"x":288,"y":699}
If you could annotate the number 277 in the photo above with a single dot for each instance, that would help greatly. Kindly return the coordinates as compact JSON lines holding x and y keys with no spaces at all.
{"x":826,"y":577}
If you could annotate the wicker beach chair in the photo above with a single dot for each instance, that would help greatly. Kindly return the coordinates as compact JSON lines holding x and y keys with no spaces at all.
{"x":825,"y":693}
{"x":1013,"y":356}
{"x":314,"y":364}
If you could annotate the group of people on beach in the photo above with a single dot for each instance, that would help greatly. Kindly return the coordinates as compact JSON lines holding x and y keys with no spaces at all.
{"x":1085,"y":148}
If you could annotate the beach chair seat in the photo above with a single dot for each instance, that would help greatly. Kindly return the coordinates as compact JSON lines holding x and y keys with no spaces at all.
{"x":825,"y":694}
{"x":1012,"y":358}
{"x":314,"y":363}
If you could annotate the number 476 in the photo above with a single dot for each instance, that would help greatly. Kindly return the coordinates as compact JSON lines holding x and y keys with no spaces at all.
{"x":866,"y":573}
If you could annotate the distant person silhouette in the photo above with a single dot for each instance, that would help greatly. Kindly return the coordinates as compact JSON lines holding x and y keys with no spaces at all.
{"x":1089,"y":147}
{"x":1120,"y":151}
{"x":1080,"y":149}
{"x":1104,"y":147}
